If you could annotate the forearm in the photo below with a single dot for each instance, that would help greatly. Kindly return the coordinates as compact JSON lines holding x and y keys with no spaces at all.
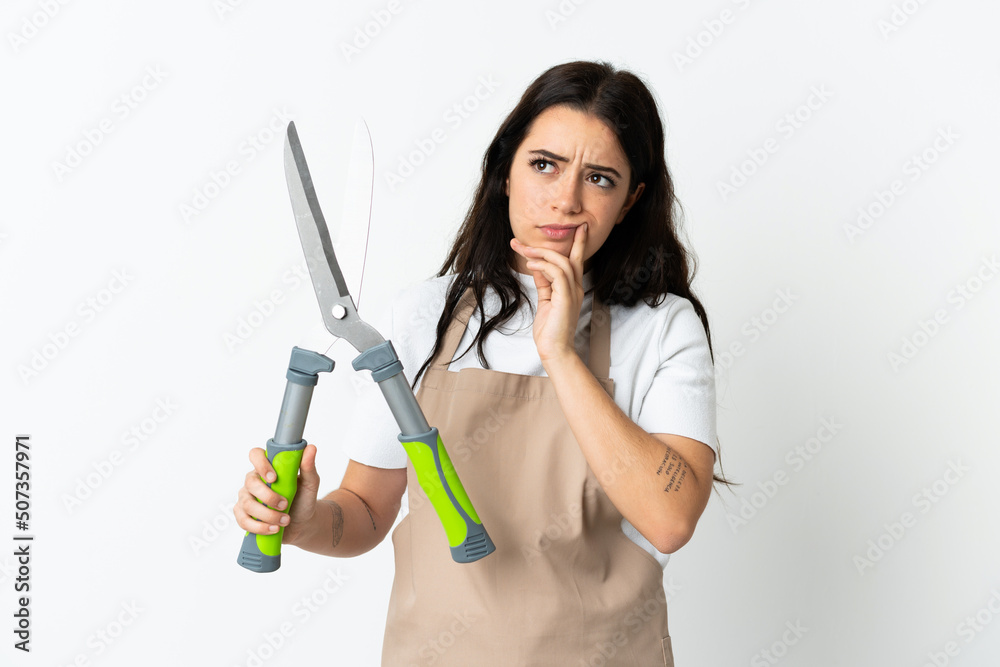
{"x":342,"y":526}
{"x":650,"y":484}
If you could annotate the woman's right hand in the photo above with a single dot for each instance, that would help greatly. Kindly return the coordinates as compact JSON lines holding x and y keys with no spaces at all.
{"x":268,"y":520}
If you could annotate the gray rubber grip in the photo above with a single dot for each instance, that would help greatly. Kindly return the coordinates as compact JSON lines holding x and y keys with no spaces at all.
{"x":253,"y":559}
{"x":476,"y":545}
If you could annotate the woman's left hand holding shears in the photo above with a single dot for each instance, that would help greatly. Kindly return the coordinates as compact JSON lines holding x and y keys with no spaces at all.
{"x":559,"y":280}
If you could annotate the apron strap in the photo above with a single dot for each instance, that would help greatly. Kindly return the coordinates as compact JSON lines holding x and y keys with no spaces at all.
{"x":600,"y":339}
{"x":600,"y":335}
{"x":456,"y":329}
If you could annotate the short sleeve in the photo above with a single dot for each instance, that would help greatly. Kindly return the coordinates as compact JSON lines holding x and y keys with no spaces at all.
{"x":681,"y":398}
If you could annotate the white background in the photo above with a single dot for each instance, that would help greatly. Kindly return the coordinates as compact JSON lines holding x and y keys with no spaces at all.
{"x":812,"y":544}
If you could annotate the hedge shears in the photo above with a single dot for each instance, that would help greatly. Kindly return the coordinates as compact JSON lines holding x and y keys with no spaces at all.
{"x":466,"y":535}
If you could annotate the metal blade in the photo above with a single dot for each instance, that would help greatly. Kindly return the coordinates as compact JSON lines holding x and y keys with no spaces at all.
{"x":339,"y":312}
{"x":313,"y":233}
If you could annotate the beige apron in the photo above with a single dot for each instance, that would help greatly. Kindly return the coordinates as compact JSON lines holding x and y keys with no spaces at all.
{"x":565,"y":586}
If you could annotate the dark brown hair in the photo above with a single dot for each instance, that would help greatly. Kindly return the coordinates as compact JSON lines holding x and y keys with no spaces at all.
{"x":641,"y":259}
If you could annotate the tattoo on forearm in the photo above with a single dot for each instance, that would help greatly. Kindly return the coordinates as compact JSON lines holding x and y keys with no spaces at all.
{"x":338,"y":522}
{"x":366,"y":507}
{"x":674,"y":470}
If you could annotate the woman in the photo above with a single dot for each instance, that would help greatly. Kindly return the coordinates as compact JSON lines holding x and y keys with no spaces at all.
{"x":583,"y":428}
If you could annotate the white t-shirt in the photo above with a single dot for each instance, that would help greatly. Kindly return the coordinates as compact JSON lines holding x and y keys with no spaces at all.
{"x":660,"y":364}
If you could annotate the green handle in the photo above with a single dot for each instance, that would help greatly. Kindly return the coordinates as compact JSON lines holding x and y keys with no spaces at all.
{"x":466,"y":535}
{"x":262,"y":553}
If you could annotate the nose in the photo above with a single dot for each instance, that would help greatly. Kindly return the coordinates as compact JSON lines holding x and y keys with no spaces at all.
{"x":566,"y":194}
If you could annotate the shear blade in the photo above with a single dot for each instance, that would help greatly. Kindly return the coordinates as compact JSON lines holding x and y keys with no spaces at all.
{"x":336,"y":305}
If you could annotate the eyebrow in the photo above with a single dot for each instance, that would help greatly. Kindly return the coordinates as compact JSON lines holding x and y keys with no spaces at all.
{"x":559,"y":158}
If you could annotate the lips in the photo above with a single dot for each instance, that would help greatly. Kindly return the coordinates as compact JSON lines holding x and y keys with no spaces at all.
{"x":559,"y":232}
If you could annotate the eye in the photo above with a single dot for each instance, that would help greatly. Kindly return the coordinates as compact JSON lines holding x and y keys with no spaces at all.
{"x":602,"y":181}
{"x":541,"y":165}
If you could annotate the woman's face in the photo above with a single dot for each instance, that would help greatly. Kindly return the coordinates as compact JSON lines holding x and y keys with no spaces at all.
{"x":569,"y":170}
